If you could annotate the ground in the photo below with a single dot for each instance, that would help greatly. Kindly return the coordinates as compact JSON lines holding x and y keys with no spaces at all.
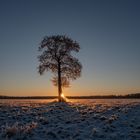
{"x":75,"y":120}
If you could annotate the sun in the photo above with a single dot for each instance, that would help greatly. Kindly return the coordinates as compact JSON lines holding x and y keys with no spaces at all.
{"x":63,"y":97}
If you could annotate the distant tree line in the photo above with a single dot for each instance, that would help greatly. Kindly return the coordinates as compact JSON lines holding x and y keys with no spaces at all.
{"x":128,"y":96}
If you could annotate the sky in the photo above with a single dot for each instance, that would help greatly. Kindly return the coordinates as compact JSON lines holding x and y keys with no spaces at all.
{"x":108,"y":32}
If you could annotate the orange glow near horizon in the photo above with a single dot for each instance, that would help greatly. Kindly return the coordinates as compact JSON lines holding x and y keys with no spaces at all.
{"x":52,"y":91}
{"x":45,"y":88}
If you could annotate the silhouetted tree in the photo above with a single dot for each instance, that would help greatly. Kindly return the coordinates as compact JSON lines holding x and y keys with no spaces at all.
{"x":64,"y":81}
{"x":56,"y":57}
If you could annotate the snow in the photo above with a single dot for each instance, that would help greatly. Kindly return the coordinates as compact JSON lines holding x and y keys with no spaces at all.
{"x":97,"y":119}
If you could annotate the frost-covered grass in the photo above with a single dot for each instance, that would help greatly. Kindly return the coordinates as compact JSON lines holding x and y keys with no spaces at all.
{"x":95,"y":119}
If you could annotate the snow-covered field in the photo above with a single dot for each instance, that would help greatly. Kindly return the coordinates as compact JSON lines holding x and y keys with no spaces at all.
{"x":95,"y":119}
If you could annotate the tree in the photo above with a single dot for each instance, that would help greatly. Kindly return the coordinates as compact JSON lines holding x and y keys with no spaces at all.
{"x":56,"y":57}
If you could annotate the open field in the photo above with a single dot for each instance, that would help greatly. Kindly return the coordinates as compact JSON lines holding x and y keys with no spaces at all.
{"x":107,"y":119}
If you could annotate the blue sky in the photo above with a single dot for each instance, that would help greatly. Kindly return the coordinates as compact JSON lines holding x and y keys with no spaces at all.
{"x":107,"y":31}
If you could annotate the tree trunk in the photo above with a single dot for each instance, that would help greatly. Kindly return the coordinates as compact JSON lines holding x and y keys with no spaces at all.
{"x":59,"y":83}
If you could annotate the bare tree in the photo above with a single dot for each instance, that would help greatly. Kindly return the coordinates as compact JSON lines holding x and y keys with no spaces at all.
{"x":56,"y":57}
